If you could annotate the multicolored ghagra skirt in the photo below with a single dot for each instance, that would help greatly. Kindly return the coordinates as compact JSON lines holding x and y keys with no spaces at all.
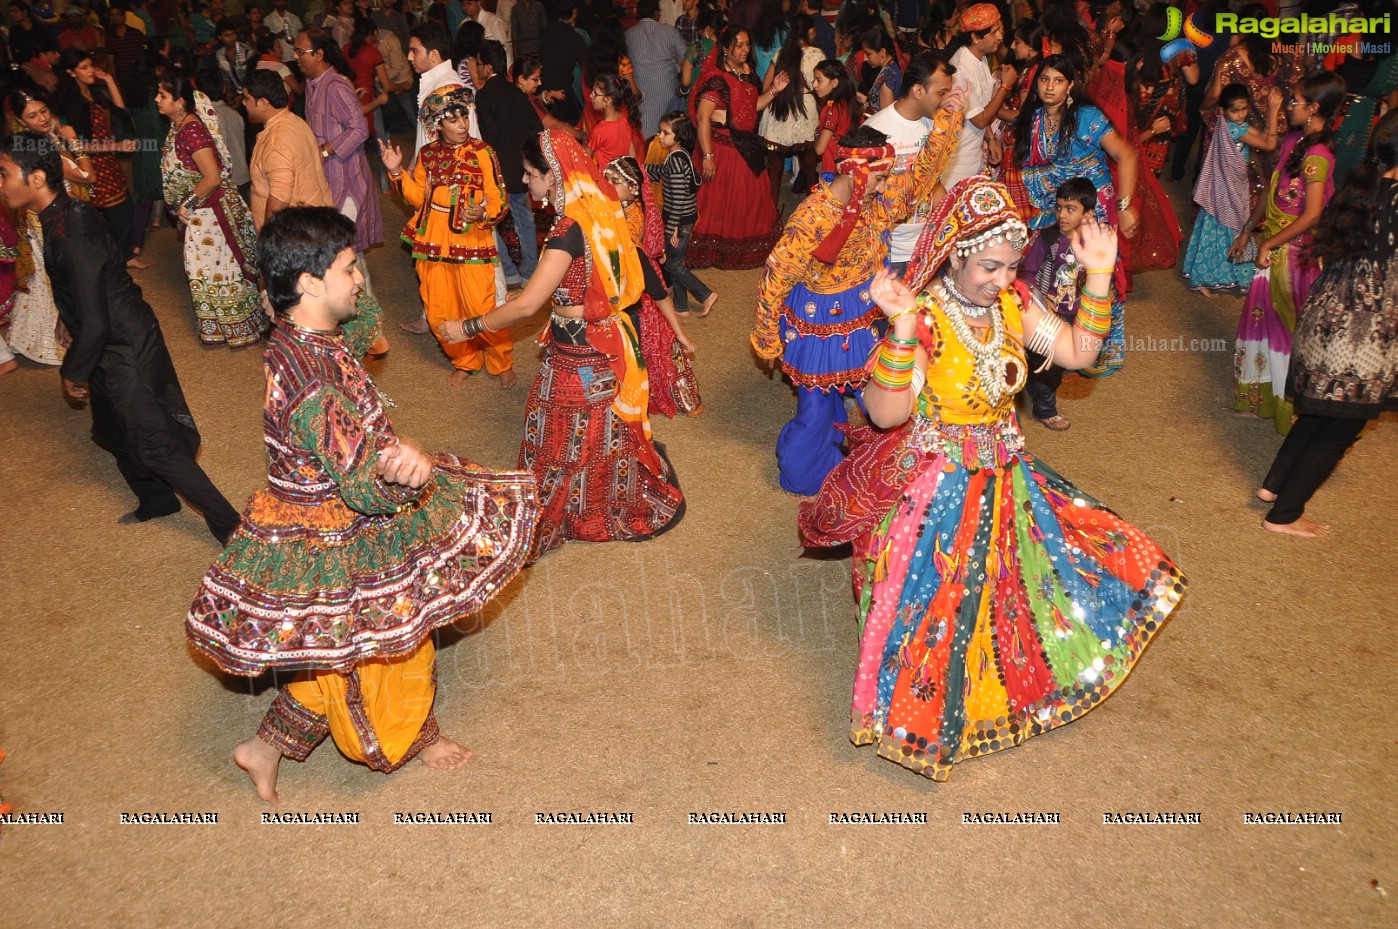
{"x":323,"y":587}
{"x":996,"y":600}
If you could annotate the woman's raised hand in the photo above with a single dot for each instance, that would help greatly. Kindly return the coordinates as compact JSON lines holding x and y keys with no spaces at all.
{"x":1095,"y":245}
{"x":891,"y":294}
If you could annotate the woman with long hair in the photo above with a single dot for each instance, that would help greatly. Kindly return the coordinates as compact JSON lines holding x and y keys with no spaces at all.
{"x":769,"y":33}
{"x":839,"y":105}
{"x":368,"y":69}
{"x":789,"y":122}
{"x":586,"y":419}
{"x":673,"y":388}
{"x":1060,"y":134}
{"x":1344,"y":358}
{"x":619,"y":120}
{"x":88,"y":99}
{"x":219,"y":241}
{"x":1296,"y":195}
{"x":997,"y":600}
{"x":737,"y":215}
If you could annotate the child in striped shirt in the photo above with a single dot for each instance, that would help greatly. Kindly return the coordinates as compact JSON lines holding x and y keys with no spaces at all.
{"x":679,"y":185}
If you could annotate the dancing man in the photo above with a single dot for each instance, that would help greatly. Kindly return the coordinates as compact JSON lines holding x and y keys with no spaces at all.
{"x":118,"y":362}
{"x":360,"y":546}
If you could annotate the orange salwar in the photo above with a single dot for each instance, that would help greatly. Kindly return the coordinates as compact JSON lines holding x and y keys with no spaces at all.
{"x":379,"y":714}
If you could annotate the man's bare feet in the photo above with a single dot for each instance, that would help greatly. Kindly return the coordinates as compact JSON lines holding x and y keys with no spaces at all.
{"x":1265,"y":495}
{"x":508,"y":379}
{"x":444,"y":753}
{"x":8,"y":366}
{"x":458,"y":377}
{"x":416,"y":327}
{"x":261,"y":762}
{"x":708,"y":306}
{"x":1305,"y":528}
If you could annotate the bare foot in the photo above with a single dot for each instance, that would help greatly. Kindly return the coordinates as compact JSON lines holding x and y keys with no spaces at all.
{"x":8,"y":366}
{"x":138,"y":264}
{"x":1305,"y":528}
{"x":1265,"y":495}
{"x":708,"y":306}
{"x":508,"y":379}
{"x":261,"y":762}
{"x":416,"y":327}
{"x":444,"y":753}
{"x":1207,"y":293}
{"x":458,"y":378}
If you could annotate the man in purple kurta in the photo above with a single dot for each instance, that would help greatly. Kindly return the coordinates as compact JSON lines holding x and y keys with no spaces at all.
{"x":332,"y":110}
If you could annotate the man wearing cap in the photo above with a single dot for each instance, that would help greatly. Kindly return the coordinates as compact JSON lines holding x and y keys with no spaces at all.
{"x":814,"y":311}
{"x":981,"y":34}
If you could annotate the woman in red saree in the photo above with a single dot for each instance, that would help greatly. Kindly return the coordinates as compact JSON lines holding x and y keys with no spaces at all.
{"x":737,"y":224}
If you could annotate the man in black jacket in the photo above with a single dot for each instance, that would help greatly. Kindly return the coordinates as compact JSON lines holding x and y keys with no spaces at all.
{"x":507,"y":119}
{"x":118,"y":362}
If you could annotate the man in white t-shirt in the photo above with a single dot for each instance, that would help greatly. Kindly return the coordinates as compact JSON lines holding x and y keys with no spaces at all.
{"x":983,"y":32}
{"x":926,"y":82}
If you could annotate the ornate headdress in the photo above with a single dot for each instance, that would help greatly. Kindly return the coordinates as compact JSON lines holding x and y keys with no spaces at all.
{"x":858,"y":163}
{"x":974,"y":215}
{"x":652,"y":238}
{"x":979,"y":16}
{"x":445,"y":101}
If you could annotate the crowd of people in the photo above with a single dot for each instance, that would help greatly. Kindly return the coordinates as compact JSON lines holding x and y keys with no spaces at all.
{"x":949,"y":204}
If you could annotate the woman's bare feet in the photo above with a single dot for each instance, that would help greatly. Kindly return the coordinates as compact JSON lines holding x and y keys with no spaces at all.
{"x":1206,"y":292}
{"x":458,"y":377}
{"x":1305,"y":528}
{"x":416,"y":327}
{"x":8,"y":366}
{"x":137,"y":264}
{"x":261,"y":762}
{"x":1265,"y":495}
{"x":508,"y":379}
{"x":444,"y":753}
{"x":708,"y":306}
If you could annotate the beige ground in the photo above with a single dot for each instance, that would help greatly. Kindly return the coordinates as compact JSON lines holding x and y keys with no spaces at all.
{"x":707,"y":670}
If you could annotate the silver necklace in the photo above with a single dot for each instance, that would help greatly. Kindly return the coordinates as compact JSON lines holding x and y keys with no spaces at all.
{"x":972,"y":310}
{"x":987,"y":357}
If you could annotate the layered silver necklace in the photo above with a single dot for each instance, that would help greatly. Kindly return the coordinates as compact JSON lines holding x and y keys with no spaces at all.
{"x":988,"y":357}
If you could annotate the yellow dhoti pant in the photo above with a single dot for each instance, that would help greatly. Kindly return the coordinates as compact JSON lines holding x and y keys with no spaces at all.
{"x":379,"y":713}
{"x":456,"y":290}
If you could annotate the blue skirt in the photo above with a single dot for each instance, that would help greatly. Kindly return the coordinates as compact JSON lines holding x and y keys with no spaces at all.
{"x":828,"y":337}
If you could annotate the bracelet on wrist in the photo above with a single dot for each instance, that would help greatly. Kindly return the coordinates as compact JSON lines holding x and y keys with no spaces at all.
{"x":1101,"y":270}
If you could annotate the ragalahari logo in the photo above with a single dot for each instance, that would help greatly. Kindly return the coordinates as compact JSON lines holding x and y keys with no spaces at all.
{"x":1175,"y":44}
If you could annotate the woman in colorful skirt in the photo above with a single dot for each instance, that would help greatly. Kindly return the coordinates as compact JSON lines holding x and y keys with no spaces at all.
{"x":1300,"y":187}
{"x":673,"y":388}
{"x":997,"y":601}
{"x":737,"y":216}
{"x":587,"y":431}
{"x":218,"y":236}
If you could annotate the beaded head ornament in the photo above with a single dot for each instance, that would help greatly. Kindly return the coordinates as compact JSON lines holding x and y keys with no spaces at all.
{"x":975,"y":215}
{"x":447,"y":100}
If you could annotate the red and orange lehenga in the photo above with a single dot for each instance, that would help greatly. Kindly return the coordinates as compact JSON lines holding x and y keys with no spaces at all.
{"x":587,"y":431}
{"x":1011,"y":174}
{"x":737,"y":224}
{"x":673,"y":388}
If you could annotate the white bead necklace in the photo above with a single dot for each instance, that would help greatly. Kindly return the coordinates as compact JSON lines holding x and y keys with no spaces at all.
{"x":988,"y":357}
